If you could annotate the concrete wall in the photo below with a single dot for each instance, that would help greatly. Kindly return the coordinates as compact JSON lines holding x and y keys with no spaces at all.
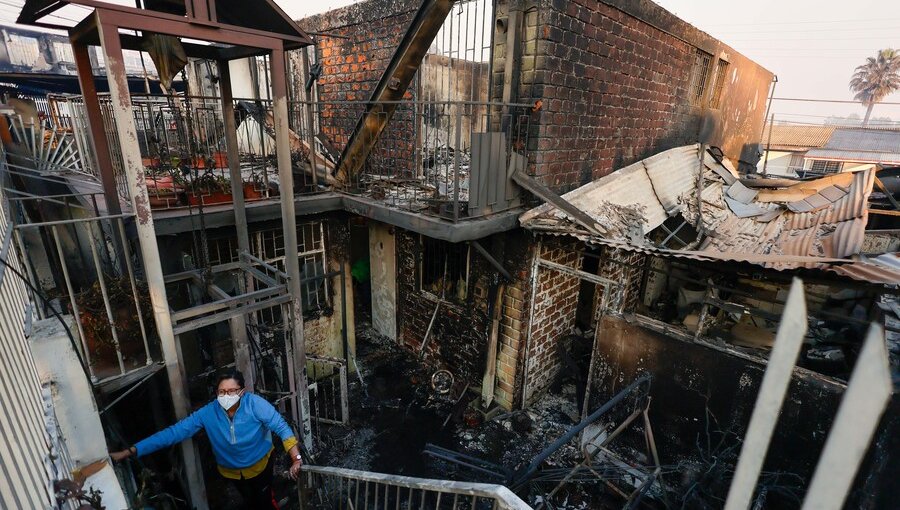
{"x":74,"y":407}
{"x":383,"y":265}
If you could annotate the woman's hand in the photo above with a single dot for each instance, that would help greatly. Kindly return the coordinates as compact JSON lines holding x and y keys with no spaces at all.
{"x":120,"y":456}
{"x":295,"y":469}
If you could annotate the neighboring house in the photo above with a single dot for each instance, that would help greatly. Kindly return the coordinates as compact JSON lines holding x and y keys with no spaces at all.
{"x":797,"y":150}
{"x":786,"y":147}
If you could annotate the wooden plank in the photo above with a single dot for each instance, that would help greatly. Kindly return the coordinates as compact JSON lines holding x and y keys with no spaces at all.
{"x":772,"y":391}
{"x":868,"y":394}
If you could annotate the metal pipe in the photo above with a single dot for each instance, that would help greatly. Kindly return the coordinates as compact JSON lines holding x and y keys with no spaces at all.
{"x":72,"y":301}
{"x":528,"y":471}
{"x":289,"y":224}
{"x":134,"y":289}
{"x":137,"y":187}
{"x":106,"y":304}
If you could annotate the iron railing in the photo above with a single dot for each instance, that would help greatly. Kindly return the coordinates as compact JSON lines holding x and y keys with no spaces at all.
{"x":451,"y":159}
{"x":337,"y":488}
{"x":329,"y":401}
{"x":93,"y":272}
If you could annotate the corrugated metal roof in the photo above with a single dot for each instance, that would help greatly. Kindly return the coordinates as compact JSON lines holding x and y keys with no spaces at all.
{"x":877,"y":270}
{"x":827,"y":223}
{"x":869,"y":140}
{"x":855,"y":156}
{"x":860,"y":145}
{"x":796,"y":137}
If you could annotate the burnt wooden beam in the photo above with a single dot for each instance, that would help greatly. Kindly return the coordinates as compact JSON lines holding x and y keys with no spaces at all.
{"x":392,"y":85}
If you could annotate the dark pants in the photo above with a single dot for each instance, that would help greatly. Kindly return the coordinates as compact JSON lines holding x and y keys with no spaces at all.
{"x":257,"y":492}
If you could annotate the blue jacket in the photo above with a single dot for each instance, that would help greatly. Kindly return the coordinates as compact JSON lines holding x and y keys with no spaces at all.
{"x":237,"y":443}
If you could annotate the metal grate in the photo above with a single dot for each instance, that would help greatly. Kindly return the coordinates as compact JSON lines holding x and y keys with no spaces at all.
{"x":719,"y":84}
{"x":445,"y":269}
{"x":700,"y":75}
{"x":825,"y":167}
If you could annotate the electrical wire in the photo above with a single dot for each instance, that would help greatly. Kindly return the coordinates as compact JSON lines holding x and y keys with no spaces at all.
{"x":56,"y":314}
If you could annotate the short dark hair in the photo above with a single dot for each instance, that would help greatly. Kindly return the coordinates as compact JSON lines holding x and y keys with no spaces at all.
{"x":230,"y":373}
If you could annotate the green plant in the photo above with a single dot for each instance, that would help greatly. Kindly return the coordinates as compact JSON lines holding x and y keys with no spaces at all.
{"x":210,"y":182}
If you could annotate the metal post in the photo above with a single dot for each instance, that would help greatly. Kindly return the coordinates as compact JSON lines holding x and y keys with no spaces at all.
{"x":105,"y":170}
{"x":310,"y":129}
{"x":289,"y":225}
{"x":238,"y":325}
{"x":134,"y":172}
{"x":768,"y":144}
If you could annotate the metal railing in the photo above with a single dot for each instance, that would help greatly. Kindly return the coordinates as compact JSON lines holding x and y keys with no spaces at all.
{"x":337,"y":488}
{"x":451,"y":159}
{"x":90,"y":269}
{"x":329,"y":401}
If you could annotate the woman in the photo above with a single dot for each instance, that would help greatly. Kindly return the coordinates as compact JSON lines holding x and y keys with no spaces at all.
{"x":239,"y":426}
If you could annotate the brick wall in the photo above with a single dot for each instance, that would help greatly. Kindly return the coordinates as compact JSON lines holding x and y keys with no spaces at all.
{"x":355,"y":49}
{"x":554,"y":314}
{"x":458,"y":339}
{"x":614,"y":83}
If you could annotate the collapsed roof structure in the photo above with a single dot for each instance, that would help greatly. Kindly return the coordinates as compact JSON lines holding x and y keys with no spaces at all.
{"x":776,"y":223}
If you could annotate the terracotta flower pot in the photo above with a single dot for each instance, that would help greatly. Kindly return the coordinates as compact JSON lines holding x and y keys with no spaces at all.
{"x":250,"y":192}
{"x":215,"y":197}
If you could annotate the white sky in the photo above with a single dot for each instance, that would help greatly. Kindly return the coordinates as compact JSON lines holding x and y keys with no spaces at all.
{"x":812,"y":45}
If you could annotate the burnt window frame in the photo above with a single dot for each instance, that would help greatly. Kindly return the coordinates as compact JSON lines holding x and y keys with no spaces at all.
{"x":464,"y":255}
{"x":700,"y":73}
{"x":715,"y":101}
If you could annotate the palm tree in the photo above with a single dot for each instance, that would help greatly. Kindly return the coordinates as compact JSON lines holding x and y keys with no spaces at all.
{"x":876,"y":79}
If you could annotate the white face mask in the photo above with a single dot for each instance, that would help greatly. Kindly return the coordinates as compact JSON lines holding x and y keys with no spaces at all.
{"x":228,"y":401}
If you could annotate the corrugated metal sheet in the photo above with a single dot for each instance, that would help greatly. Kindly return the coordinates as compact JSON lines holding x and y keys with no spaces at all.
{"x":795,"y":137}
{"x":827,"y":223}
{"x":673,"y":173}
{"x":855,"y":156}
{"x":869,"y":140}
{"x":651,"y":187}
{"x":25,"y":444}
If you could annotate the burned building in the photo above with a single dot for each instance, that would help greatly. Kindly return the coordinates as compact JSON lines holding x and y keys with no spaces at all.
{"x":495,"y":205}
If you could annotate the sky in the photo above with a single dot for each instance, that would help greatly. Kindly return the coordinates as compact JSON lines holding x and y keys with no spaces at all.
{"x":812,"y":46}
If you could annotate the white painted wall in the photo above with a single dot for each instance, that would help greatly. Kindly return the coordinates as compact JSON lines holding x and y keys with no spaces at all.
{"x":383,"y":265}
{"x":778,"y":163}
{"x":75,"y":408}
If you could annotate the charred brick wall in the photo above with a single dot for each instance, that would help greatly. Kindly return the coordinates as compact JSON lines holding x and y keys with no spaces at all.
{"x":459,"y":335}
{"x":614,"y":80}
{"x":698,"y":389}
{"x":553,"y":314}
{"x":354,"y":49}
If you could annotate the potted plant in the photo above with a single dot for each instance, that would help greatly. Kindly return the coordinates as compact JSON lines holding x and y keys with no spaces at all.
{"x":95,"y":324}
{"x":163,"y":189}
{"x":209,"y":189}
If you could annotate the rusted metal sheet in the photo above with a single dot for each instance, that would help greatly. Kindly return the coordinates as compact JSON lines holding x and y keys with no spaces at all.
{"x":392,"y":86}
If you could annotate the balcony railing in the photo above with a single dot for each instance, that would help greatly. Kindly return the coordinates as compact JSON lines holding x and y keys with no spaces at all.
{"x":337,"y":488}
{"x":90,"y":270}
{"x":450,"y":159}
